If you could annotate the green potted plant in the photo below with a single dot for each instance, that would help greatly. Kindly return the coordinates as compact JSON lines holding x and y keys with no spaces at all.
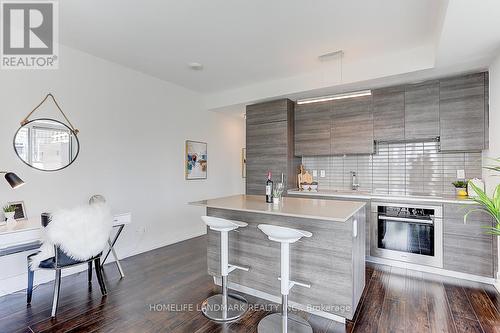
{"x":460,"y":187}
{"x":489,"y":205}
{"x":277,"y":193}
{"x":9,"y":212}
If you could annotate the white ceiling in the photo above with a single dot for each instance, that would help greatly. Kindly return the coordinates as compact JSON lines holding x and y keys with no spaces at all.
{"x":241,"y":42}
{"x":262,"y":49}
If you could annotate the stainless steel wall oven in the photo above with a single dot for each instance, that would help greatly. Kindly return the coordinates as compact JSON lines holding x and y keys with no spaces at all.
{"x":407,"y":232}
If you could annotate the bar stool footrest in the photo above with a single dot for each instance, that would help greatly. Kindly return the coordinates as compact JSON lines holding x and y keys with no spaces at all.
{"x":296,"y":283}
{"x":234,"y":267}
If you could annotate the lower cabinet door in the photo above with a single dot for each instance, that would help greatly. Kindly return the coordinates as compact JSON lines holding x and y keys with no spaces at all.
{"x":468,"y":255}
{"x":467,"y":247}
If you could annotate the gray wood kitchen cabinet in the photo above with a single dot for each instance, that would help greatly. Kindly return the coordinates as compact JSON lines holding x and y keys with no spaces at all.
{"x":422,"y":110}
{"x":466,"y":246}
{"x":312,"y":129}
{"x":352,"y":126}
{"x":463,"y":108}
{"x":266,"y":151}
{"x":268,"y":112}
{"x":269,"y":143}
{"x":389,"y":114}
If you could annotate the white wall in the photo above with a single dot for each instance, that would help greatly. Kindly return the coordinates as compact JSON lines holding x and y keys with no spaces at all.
{"x":494,"y":149}
{"x":132,"y":133}
{"x":494,"y":118}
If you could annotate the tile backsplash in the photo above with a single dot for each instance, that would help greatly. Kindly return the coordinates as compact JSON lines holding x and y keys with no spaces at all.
{"x":416,"y":168}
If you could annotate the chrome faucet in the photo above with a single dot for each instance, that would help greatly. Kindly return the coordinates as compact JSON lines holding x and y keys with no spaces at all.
{"x":354,"y":181}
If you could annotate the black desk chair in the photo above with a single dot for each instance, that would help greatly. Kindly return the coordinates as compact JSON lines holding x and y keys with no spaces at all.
{"x":58,"y":263}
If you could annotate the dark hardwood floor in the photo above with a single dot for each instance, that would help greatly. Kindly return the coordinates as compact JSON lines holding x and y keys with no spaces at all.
{"x":158,"y":283}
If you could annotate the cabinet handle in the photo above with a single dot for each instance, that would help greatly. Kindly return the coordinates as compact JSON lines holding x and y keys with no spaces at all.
{"x":355,"y":228}
{"x":405,"y":219}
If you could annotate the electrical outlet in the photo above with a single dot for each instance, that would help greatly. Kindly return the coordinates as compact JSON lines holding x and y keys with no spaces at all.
{"x":315,"y":173}
{"x":322,"y":173}
{"x":460,"y":174}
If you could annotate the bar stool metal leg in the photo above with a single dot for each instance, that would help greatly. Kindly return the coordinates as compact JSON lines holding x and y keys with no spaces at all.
{"x":224,"y":307}
{"x":284,"y":322}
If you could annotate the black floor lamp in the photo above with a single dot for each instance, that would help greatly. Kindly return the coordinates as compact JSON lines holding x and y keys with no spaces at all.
{"x":13,"y":179}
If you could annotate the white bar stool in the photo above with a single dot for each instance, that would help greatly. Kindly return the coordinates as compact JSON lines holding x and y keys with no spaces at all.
{"x":224,"y":307}
{"x":284,"y":322}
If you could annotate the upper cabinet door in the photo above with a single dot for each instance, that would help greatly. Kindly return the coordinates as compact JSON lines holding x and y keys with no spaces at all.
{"x":422,"y":110}
{"x":352,"y":126}
{"x":462,"y":113}
{"x":268,"y":112}
{"x":389,"y":114}
{"x":267,"y":150}
{"x":312,"y":129}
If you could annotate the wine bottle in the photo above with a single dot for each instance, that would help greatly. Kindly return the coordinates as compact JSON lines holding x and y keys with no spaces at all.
{"x":269,"y":188}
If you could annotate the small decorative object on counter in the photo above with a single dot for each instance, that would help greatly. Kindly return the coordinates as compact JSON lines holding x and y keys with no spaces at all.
{"x":9,"y":212}
{"x":300,"y":176}
{"x":461,"y":187}
{"x":305,"y":181}
{"x":278,"y":193}
{"x":478,"y":183}
{"x":269,"y":188}
{"x":307,"y":178}
{"x":310,"y":187}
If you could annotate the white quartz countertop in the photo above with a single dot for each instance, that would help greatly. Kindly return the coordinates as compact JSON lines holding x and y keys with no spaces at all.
{"x":331,"y":210}
{"x":359,"y":195}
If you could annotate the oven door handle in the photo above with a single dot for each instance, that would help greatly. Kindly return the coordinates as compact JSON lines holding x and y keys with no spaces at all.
{"x":405,"y":219}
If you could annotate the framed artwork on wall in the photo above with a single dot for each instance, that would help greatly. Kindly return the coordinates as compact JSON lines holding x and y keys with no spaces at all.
{"x":244,"y":162}
{"x":196,"y":161}
{"x":20,"y":210}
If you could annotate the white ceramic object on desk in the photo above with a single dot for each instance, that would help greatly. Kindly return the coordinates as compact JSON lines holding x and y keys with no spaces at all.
{"x":10,"y":217}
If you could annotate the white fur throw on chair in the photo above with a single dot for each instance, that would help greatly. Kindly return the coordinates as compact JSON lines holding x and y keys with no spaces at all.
{"x":81,"y":232}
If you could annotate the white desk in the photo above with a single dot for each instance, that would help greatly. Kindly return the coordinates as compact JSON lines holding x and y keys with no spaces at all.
{"x":26,"y":235}
{"x":20,"y":236}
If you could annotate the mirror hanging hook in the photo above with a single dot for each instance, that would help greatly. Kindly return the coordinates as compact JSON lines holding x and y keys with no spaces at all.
{"x":26,"y":119}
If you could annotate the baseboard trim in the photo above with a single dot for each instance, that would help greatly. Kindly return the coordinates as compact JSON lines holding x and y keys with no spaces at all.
{"x":277,"y":299}
{"x":497,"y":285}
{"x":433,"y":270}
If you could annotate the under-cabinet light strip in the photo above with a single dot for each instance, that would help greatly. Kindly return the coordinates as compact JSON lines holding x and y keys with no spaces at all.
{"x":334,"y":97}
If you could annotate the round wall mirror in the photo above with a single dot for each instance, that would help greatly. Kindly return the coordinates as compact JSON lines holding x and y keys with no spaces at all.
{"x":46,"y":144}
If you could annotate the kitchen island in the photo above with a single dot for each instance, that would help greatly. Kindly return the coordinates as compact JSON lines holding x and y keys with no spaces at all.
{"x":332,"y":261}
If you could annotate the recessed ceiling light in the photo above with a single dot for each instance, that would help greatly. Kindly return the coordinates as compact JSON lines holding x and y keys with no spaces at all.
{"x":196,"y":66}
